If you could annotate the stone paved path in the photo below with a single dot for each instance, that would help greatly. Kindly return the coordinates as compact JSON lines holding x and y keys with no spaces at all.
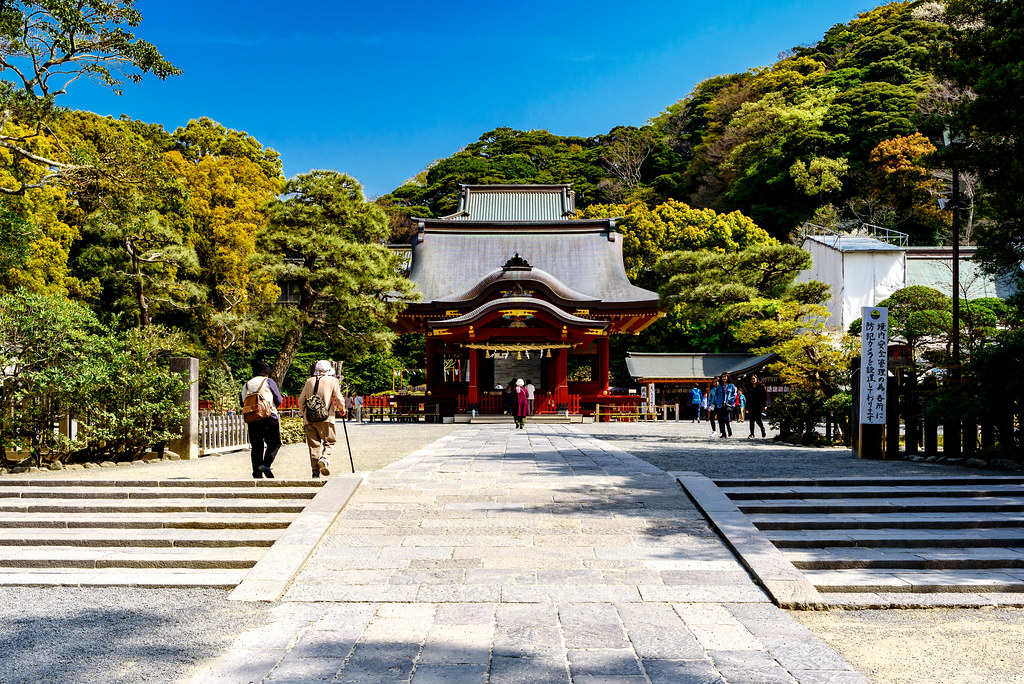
{"x":542,"y":555}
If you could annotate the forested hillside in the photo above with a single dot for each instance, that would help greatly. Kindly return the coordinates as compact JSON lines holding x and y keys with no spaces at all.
{"x":191,"y":241}
{"x":839,"y":129}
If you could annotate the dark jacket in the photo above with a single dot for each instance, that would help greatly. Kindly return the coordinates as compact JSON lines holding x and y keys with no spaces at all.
{"x":757,"y":398}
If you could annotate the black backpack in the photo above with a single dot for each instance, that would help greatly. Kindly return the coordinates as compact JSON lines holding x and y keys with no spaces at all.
{"x":316,"y":407}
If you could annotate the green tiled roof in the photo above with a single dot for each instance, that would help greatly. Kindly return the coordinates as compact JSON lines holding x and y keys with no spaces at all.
{"x":515,"y":203}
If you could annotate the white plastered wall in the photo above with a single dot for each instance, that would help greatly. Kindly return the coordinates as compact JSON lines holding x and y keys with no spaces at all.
{"x":857,"y":278}
{"x":827,"y":267}
{"x":870,"y":277}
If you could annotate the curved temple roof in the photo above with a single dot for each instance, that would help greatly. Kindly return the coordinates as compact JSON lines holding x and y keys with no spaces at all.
{"x":524,"y":278}
{"x":521,"y":302}
{"x":585,"y":256}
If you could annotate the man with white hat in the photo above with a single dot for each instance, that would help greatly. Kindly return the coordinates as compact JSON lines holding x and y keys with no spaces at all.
{"x":317,"y":402}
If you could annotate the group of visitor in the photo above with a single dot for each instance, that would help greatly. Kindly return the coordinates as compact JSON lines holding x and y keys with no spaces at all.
{"x":725,"y":402}
{"x":319,"y":403}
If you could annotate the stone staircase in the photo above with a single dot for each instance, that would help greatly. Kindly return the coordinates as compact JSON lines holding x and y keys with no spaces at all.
{"x":896,"y":541}
{"x":166,"y":533}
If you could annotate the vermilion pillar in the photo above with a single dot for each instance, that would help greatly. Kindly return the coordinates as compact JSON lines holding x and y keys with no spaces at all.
{"x":474,"y":361}
{"x":562,"y":379}
{"x":434,"y":359}
{"x":602,"y":364}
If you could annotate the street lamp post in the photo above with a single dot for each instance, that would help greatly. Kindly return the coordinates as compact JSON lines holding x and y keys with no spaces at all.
{"x":951,"y":438}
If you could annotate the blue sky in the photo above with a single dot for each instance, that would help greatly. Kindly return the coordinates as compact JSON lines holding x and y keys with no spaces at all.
{"x":379,"y":90}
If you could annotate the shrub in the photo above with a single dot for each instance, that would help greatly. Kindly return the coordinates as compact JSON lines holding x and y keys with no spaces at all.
{"x":292,"y":431}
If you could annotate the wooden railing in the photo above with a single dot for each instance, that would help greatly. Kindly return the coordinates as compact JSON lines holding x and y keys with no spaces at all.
{"x":632,"y":412}
{"x":220,"y":432}
{"x":544,"y":403}
{"x":399,"y":408}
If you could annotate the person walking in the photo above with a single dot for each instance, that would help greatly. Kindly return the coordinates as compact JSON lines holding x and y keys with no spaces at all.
{"x":358,"y":404}
{"x":531,"y":392}
{"x":712,"y":398}
{"x":741,"y":404}
{"x":320,"y":395}
{"x":264,"y":434}
{"x":522,"y":403}
{"x":696,"y":399}
{"x":725,"y":400}
{"x":757,"y":400}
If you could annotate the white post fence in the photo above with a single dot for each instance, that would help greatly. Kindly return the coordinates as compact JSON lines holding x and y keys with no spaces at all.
{"x":221,"y":432}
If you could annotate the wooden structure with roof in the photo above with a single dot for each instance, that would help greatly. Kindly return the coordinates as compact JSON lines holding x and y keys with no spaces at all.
{"x":672,"y":376}
{"x":512,"y":286}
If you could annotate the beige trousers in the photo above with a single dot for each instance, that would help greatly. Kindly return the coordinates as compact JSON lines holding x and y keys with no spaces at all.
{"x":320,"y":439}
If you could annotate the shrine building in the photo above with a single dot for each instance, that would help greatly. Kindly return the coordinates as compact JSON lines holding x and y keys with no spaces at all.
{"x":512,"y":286}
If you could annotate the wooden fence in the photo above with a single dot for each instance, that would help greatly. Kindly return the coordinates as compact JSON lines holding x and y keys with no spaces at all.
{"x":913,"y":431}
{"x":221,"y":432}
{"x":543,"y":404}
{"x":631,"y":412}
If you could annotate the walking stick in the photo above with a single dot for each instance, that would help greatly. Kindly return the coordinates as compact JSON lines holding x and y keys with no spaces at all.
{"x":344,"y":425}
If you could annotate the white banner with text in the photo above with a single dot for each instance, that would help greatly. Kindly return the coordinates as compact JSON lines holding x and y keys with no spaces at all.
{"x":874,"y":346}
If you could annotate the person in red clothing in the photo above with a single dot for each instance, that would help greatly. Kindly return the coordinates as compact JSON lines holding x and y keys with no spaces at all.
{"x":521,"y":403}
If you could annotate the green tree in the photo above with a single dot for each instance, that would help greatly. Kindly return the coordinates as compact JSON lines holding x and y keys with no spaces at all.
{"x":139,"y":255}
{"x":918,"y":316}
{"x":325,"y":239}
{"x":128,"y":401}
{"x":984,"y":57}
{"x":753,"y":291}
{"x":673,"y":226}
{"x":229,"y":178}
{"x":47,"y":45}
{"x":43,"y":341}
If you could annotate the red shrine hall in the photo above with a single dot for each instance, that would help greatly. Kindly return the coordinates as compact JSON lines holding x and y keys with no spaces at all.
{"x":512,"y":286}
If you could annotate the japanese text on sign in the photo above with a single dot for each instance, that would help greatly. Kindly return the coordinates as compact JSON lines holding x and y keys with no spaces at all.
{"x":874,"y":344}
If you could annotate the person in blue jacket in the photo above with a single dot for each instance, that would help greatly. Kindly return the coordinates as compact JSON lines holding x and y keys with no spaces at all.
{"x":264,"y":434}
{"x":716,"y":388}
{"x":696,"y":396}
{"x":725,"y":400}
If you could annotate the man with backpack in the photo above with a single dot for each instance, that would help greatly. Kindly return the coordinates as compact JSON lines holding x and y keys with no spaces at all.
{"x":260,"y":398}
{"x":317,"y":402}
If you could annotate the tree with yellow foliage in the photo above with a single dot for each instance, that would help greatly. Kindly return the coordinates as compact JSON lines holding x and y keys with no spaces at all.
{"x":900,"y":178}
{"x":648,"y":233}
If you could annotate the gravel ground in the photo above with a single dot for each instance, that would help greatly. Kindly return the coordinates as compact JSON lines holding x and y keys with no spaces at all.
{"x":374,"y":445}
{"x":71,"y":635}
{"x":938,"y":645}
{"x":115,"y":635}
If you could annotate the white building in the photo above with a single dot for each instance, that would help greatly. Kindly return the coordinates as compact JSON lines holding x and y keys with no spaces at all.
{"x":862,"y":270}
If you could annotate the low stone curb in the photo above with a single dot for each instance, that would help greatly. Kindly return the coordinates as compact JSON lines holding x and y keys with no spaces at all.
{"x":270,"y":577}
{"x":784,"y":584}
